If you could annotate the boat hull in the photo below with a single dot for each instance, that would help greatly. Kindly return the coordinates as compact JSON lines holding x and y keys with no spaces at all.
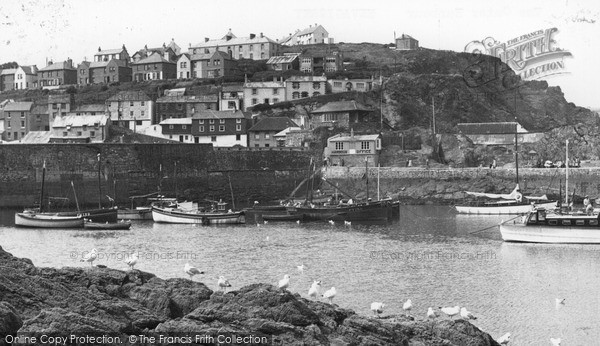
{"x":94,"y":215}
{"x":282,"y":217}
{"x":503,"y":209}
{"x":520,"y":232}
{"x":47,"y":221}
{"x":377,"y":211}
{"x":107,"y":226}
{"x":135,"y":214}
{"x":169,"y":215}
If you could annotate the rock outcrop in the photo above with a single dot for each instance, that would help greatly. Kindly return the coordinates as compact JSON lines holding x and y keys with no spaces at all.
{"x":104,"y":301}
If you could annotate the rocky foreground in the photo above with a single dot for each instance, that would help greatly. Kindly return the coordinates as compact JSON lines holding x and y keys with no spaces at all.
{"x":106,"y":302}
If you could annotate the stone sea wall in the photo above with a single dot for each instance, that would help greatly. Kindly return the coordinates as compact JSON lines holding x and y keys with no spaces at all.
{"x":193,"y":171}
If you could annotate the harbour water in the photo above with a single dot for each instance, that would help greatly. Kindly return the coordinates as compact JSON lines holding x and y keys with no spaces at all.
{"x":430,"y":255}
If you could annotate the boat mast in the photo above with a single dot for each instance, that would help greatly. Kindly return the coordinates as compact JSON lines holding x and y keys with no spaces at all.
{"x":367,"y":175}
{"x":99,"y":185}
{"x":42,"y":191}
{"x":308,"y":176}
{"x":567,"y":174}
{"x":516,"y":141}
{"x":75,"y":194}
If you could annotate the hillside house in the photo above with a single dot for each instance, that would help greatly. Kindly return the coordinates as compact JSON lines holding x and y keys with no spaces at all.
{"x":221,"y":128}
{"x":281,"y":137}
{"x":288,"y":61}
{"x":353,"y":150}
{"x":184,"y":66}
{"x":83,"y":73}
{"x":40,"y":119}
{"x":231,"y":97}
{"x":339,"y":114}
{"x":165,"y":52}
{"x":179,"y":129}
{"x":131,"y":109}
{"x":262,"y":134}
{"x":153,"y":67}
{"x":406,"y":42}
{"x":26,"y":77}
{"x":321,"y":63}
{"x":253,"y":47}
{"x":7,"y":79}
{"x":213,"y":65}
{"x":299,"y":87}
{"x":311,"y":35}
{"x":57,"y":74}
{"x":345,"y":85}
{"x":184,"y":106}
{"x":60,"y":105}
{"x":112,"y":54}
{"x":80,"y":129}
{"x":108,"y":71}
{"x":263,"y":92}
{"x":90,"y":109}
{"x":17,"y":117}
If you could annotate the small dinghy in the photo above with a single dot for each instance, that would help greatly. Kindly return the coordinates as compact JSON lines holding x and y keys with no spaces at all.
{"x":107,"y":225}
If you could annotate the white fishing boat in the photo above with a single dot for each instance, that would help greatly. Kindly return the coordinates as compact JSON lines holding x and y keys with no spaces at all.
{"x":48,"y":220}
{"x":505,"y":204}
{"x":190,"y":214}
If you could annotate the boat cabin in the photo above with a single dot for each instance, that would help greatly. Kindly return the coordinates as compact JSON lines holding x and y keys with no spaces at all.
{"x":572,"y":219}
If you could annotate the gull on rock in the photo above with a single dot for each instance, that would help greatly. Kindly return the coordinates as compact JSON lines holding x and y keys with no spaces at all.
{"x":431,"y":313}
{"x":560,"y":301}
{"x":504,"y":339}
{"x":407,"y":305}
{"x":191,"y":271}
{"x":331,"y":222}
{"x":377,"y":308}
{"x":451,"y":311}
{"x":132,"y":260}
{"x":223,"y":283}
{"x":330,"y":294}
{"x":285,"y":282}
{"x":466,"y":314}
{"x":90,"y":257}
{"x":347,"y":223}
{"x":555,"y":342}
{"x":313,"y":291}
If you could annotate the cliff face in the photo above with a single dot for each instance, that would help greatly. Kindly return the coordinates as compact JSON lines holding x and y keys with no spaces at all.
{"x":102,"y":301}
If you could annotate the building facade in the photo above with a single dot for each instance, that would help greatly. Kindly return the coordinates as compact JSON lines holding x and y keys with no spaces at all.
{"x":57,"y":74}
{"x":131,"y":109}
{"x":60,"y":105}
{"x":262,"y":134}
{"x":253,"y":47}
{"x":406,"y":42}
{"x":339,"y":113}
{"x":83,"y":73}
{"x":231,"y":97}
{"x":153,"y":67}
{"x":17,"y":118}
{"x":7,"y":79}
{"x":288,"y":61}
{"x":311,"y":35}
{"x":176,"y":107}
{"x":109,"y":72}
{"x":353,"y":150}
{"x":221,"y":128}
{"x":263,"y":92}
{"x":184,"y":67}
{"x":26,"y":77}
{"x":344,"y":85}
{"x":299,"y":87}
{"x":80,"y":129}
{"x":322,"y":63}
{"x":178,"y":129}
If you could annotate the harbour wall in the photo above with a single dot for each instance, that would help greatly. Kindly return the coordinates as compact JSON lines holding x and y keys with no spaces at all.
{"x":449,"y":185}
{"x":191,"y":171}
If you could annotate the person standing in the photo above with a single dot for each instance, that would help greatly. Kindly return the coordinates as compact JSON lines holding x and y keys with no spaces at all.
{"x":587,"y":204}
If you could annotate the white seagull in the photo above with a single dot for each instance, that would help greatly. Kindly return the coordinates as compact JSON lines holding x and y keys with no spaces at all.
{"x":467,"y":315}
{"x":298,"y":221}
{"x":407,"y":305}
{"x":560,"y":301}
{"x":377,"y":308}
{"x":223,"y":283}
{"x":191,"y":271}
{"x":555,"y":342}
{"x":301,"y":268}
{"x":90,"y":257}
{"x":313,"y":291}
{"x":451,"y":311}
{"x":330,"y":294}
{"x":132,"y":260}
{"x":504,"y":339}
{"x":265,"y":221}
{"x":347,"y":223}
{"x":331,"y":222}
{"x":431,"y":313}
{"x":285,"y":282}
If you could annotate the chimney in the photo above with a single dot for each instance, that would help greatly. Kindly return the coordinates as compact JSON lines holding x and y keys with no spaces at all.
{"x":206,"y":39}
{"x":69,"y":62}
{"x":99,"y":49}
{"x":252,"y":36}
{"x":261,"y":35}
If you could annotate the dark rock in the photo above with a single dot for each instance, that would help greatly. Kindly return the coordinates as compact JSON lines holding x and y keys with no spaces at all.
{"x":10,"y":321}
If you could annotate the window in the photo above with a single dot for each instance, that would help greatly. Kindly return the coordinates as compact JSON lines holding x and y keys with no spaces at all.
{"x":304,"y":94}
{"x":143,"y":103}
{"x":213,"y":138}
{"x":221,"y":121}
{"x":78,"y":133}
{"x":211,"y":121}
{"x":262,"y":55}
{"x":183,"y":127}
{"x":138,"y":122}
{"x":267,"y":136}
{"x":262,"y":46}
{"x":306,"y":60}
{"x":295,"y":85}
{"x":23,"y":124}
{"x":142,"y":113}
{"x":339,"y":145}
{"x":201,"y":129}
{"x":131,"y":104}
{"x":231,"y":105}
{"x":130,"y":113}
{"x":337,"y":84}
{"x":254,"y":101}
{"x":170,"y":127}
{"x":221,"y":128}
{"x":316,"y":85}
{"x":238,"y":121}
{"x":295,"y":95}
{"x":254,"y":91}
{"x":257,"y":136}
{"x":238,"y":137}
{"x":251,"y":47}
{"x":183,"y":65}
{"x":201,"y":121}
{"x":238,"y":127}
{"x":216,"y":62}
{"x":256,"y":145}
{"x":330,"y":117}
{"x":266,"y":145}
{"x":211,"y":128}
{"x":65,"y":134}
{"x":360,"y":85}
{"x":92,"y":133}
{"x":365,"y":145}
{"x":275,"y":91}
{"x":251,"y":55}
{"x":275,"y":100}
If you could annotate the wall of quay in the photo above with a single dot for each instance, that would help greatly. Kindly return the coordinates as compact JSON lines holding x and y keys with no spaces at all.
{"x":191,"y":171}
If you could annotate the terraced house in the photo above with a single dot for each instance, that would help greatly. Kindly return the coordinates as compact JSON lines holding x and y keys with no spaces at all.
{"x":153,"y":67}
{"x":130,"y":109}
{"x":16,"y":120}
{"x":183,"y":106}
{"x":109,"y":66}
{"x":254,"y":47}
{"x":57,"y":74}
{"x":221,"y":128}
{"x":263,"y":92}
{"x":299,"y":87}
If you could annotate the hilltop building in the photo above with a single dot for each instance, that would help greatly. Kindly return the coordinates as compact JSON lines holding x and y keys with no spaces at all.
{"x":406,"y":42}
{"x":253,"y":47}
{"x":311,"y":35}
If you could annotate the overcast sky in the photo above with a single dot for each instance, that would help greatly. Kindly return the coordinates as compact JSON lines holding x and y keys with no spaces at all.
{"x":33,"y":30}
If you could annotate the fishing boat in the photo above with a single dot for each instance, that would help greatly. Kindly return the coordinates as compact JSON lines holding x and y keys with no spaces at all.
{"x":365,"y":211}
{"x":121,"y":225}
{"x":218,"y":214}
{"x":562,"y":225}
{"x":282,"y":217}
{"x":36,"y":220}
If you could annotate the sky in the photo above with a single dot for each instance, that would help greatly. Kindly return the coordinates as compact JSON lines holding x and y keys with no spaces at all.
{"x":33,"y":31}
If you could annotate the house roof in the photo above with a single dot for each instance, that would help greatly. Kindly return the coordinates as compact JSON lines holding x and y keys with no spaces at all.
{"x":57,"y":66}
{"x":8,"y":71}
{"x":153,"y":59}
{"x":341,"y":106}
{"x":175,"y":92}
{"x":307,"y":79}
{"x":176,"y":121}
{"x":18,"y":106}
{"x":110,"y":51}
{"x":264,"y":85}
{"x":90,"y":108}
{"x":130,"y":95}
{"x":200,"y":56}
{"x":273,"y":124}
{"x":191,"y":98}
{"x":224,"y":55}
{"x":234,"y":41}
{"x":284,"y":132}
{"x":183,"y":55}
{"x":86,"y":63}
{"x":35,"y":137}
{"x":28,"y":69}
{"x":489,"y":128}
{"x":210,"y":114}
{"x":284,"y":59}
{"x":355,"y":138}
{"x":309,"y":30}
{"x":405,"y":36}
{"x":79,"y":120}
{"x":95,"y":64}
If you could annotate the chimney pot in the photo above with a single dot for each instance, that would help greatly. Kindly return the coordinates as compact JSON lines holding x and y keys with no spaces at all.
{"x":99,"y":49}
{"x":261,"y":35}
{"x":252,"y":36}
{"x":206,"y":39}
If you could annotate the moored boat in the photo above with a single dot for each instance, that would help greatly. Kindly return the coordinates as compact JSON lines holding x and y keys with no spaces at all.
{"x":175,"y":215}
{"x":139,"y":213}
{"x":368,"y":211}
{"x":542,"y":226}
{"x":282,"y":217}
{"x":507,"y":204}
{"x":48,"y":220}
{"x":107,"y":225}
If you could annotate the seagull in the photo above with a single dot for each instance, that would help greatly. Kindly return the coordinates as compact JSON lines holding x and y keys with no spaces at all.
{"x":431,"y":313}
{"x":377,"y":308}
{"x":555,"y":342}
{"x":313,"y":291}
{"x":331,"y":222}
{"x":407,"y":306}
{"x":265,"y":222}
{"x":223,"y":283}
{"x":90,"y":257}
{"x":466,"y":314}
{"x":285,"y":282}
{"x":301,"y":268}
{"x":298,"y":221}
{"x":560,"y":301}
{"x":504,"y":339}
{"x":330,"y":294}
{"x":132,"y":260}
{"x":451,"y":311}
{"x":191,"y":271}
{"x":347,"y":223}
